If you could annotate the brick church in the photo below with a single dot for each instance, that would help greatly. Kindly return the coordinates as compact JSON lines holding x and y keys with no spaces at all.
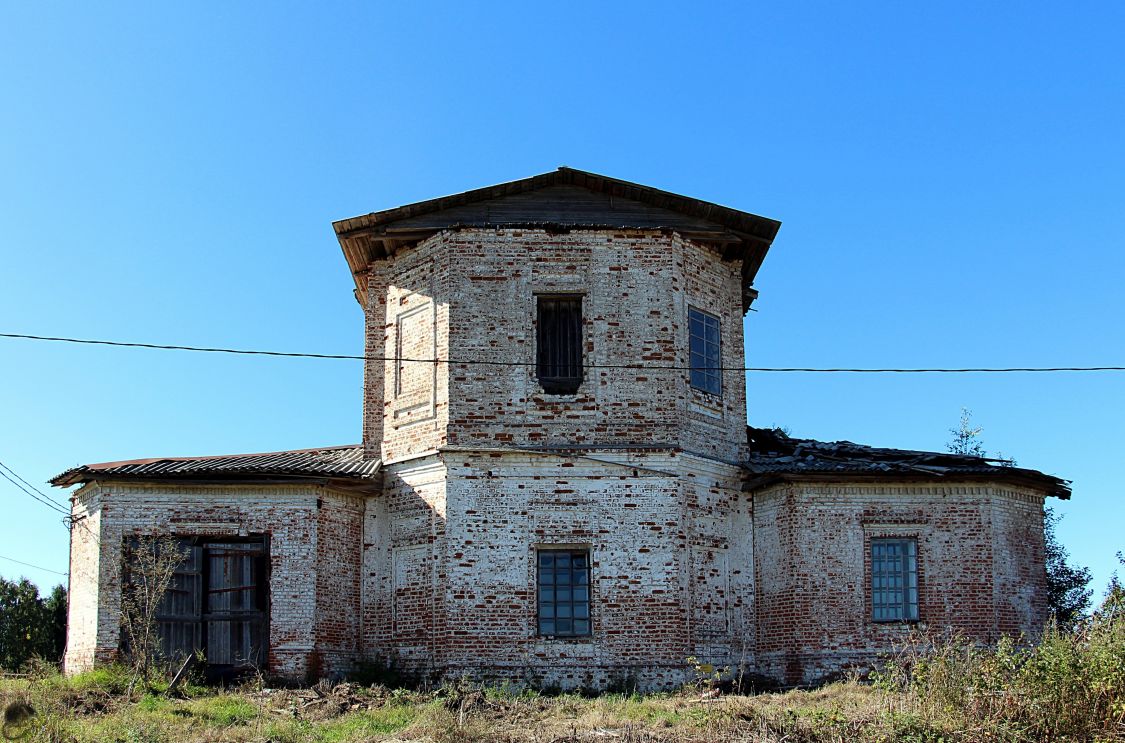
{"x":557,"y":484}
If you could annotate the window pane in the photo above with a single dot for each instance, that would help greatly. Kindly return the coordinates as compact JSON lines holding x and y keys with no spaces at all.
{"x":564,"y":606}
{"x":894,"y":580}
{"x":704,"y":353}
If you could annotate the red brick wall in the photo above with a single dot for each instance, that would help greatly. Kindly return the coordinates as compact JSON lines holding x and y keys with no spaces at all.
{"x":458,"y":592}
{"x":980,"y":569}
{"x":339,"y":536}
{"x":474,"y":291}
{"x":306,"y":575}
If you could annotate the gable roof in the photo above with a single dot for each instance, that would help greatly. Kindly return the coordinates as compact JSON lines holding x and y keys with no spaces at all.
{"x":563,"y":199}
{"x":776,"y":457}
{"x":335,"y":462}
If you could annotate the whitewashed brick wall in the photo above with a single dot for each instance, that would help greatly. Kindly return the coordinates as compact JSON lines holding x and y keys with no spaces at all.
{"x":434,"y":570}
{"x":314,"y":535}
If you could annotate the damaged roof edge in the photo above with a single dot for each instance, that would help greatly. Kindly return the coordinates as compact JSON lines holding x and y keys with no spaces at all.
{"x":764,"y":228}
{"x":335,"y":462}
{"x":777,"y":457}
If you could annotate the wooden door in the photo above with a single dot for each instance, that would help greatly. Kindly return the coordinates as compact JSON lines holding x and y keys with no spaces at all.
{"x":235,"y":605}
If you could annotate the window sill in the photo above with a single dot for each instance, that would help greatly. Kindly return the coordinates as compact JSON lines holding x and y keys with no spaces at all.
{"x":708,"y":411}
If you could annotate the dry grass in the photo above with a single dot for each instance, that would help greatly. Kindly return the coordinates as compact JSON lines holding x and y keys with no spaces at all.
{"x":1071,"y":687}
{"x":94,"y":707}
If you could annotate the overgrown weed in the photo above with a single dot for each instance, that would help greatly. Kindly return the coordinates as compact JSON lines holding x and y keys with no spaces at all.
{"x":1068,"y":687}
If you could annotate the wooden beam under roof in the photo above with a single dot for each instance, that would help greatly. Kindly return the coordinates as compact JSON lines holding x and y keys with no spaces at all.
{"x":553,"y":199}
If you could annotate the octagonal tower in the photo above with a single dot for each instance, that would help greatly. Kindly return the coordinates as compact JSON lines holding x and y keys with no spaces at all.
{"x":554,"y":389}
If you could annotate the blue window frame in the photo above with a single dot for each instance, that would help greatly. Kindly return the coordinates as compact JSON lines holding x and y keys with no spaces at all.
{"x":564,"y":592}
{"x":706,"y":357}
{"x":894,"y":580}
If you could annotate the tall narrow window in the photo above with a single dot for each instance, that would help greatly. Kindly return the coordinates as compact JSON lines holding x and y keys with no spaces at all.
{"x":564,"y":593}
{"x":894,"y":580}
{"x":703,"y":333}
{"x":559,"y":344}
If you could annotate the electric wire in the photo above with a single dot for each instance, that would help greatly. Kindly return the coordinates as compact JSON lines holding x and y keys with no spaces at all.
{"x":25,"y":482}
{"x":28,"y":564}
{"x":53,"y":506}
{"x":638,"y":367}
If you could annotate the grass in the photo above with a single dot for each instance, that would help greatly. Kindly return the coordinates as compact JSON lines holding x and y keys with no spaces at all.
{"x":1070,"y":687}
{"x":65,"y":712}
{"x":847,"y":711}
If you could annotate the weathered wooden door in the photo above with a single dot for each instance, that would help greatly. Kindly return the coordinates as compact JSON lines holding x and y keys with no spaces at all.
{"x":218,"y":603}
{"x":179,"y":618}
{"x":235,"y":605}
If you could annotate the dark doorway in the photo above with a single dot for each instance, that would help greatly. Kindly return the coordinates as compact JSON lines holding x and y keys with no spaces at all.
{"x":218,"y":603}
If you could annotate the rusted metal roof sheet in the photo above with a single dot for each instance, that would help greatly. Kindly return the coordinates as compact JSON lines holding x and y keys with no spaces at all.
{"x":336,"y":462}
{"x":776,"y":456}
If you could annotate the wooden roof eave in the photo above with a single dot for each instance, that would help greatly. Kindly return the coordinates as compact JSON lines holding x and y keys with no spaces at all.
{"x":372,"y":236}
{"x":754,"y":482}
{"x":373,"y":244}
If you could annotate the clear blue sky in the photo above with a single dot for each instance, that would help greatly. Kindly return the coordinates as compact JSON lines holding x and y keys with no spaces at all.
{"x":951,"y":182}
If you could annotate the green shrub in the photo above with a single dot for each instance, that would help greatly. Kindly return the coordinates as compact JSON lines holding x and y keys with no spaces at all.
{"x":1069,"y":686}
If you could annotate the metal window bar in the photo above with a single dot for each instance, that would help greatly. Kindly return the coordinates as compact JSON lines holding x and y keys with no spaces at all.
{"x":705,"y":352}
{"x":894,"y":580}
{"x":559,"y":344}
{"x":564,"y":593}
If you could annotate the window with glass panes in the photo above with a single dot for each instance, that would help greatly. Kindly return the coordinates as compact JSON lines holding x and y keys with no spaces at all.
{"x":894,"y":580}
{"x":703,"y":340}
{"x":564,"y":592}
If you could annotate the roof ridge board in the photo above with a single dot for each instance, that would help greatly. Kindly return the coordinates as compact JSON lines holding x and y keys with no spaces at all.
{"x":496,"y":190}
{"x":708,"y":206}
{"x":563,"y":176}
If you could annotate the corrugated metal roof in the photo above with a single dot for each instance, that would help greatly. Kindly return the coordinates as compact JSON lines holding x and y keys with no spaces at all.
{"x":334,"y":461}
{"x":775,"y":455}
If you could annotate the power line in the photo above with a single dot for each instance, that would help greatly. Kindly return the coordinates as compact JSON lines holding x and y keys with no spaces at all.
{"x":25,"y":482}
{"x":53,"y":506}
{"x":28,"y":564}
{"x":638,"y":367}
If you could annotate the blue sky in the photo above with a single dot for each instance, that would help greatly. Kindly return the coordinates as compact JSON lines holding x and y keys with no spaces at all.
{"x":950,"y":179}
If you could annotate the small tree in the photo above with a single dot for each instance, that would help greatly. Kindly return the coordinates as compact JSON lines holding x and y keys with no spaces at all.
{"x":150,"y":565}
{"x":1068,"y":596}
{"x":1112,"y":607}
{"x":1068,"y":592}
{"x":29,"y":625}
{"x":55,"y":608}
{"x":966,"y":437}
